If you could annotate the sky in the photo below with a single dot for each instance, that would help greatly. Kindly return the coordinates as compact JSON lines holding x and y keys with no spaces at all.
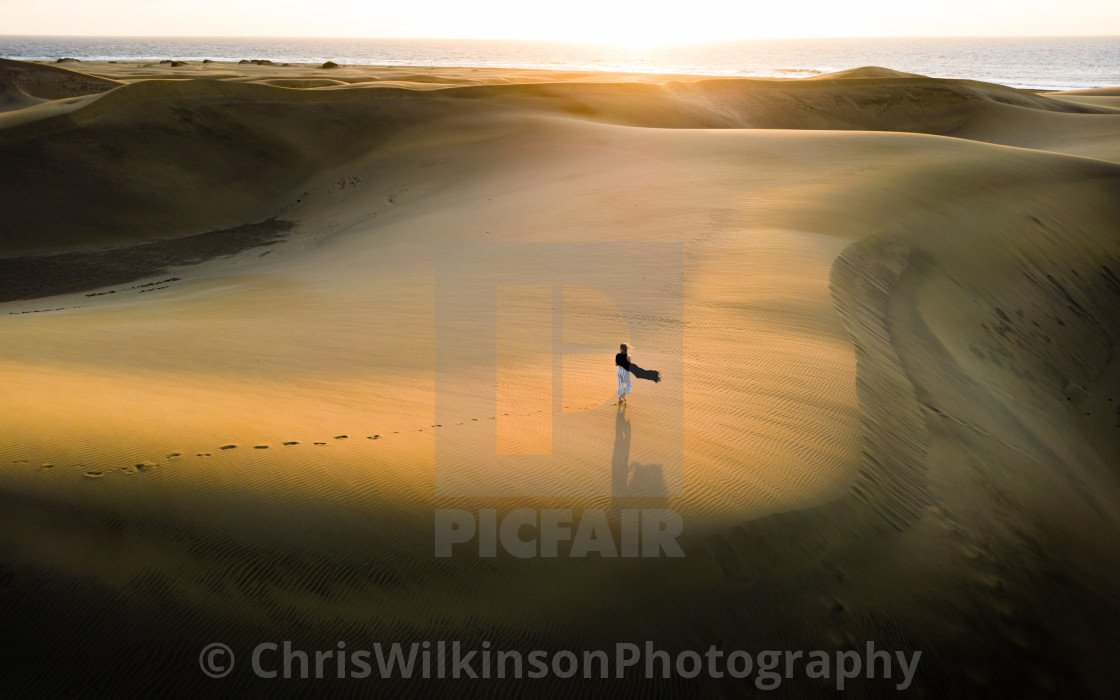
{"x":623,"y":22}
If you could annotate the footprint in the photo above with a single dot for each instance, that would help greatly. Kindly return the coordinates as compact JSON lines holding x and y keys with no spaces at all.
{"x":137,"y":468}
{"x":320,"y":443}
{"x":372,"y":437}
{"x":227,"y":447}
{"x":19,"y":461}
{"x":438,"y":425}
{"x":474,"y":419}
{"x":341,"y":437}
{"x":291,"y":443}
{"x":203,"y":454}
{"x":50,"y":466}
{"x":94,"y":474}
{"x":260,"y":447}
{"x":173,"y":455}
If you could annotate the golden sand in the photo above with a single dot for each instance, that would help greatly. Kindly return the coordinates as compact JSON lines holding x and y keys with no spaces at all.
{"x":896,"y":409}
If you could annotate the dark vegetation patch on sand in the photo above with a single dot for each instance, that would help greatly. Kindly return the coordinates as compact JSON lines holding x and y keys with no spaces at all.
{"x":34,"y":276}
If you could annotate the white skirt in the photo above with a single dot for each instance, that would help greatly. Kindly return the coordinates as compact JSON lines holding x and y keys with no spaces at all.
{"x":623,"y":381}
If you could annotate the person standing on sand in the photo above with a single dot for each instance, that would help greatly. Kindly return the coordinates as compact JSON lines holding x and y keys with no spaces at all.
{"x":622,"y":365}
{"x":625,"y":368}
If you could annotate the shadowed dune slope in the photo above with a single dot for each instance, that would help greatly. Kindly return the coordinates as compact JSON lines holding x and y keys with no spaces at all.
{"x":24,"y":84}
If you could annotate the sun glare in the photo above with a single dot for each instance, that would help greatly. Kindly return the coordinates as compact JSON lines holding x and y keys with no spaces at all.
{"x":624,"y":25}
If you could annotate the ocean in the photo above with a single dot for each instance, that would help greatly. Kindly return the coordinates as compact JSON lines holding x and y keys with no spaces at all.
{"x":1038,"y":63}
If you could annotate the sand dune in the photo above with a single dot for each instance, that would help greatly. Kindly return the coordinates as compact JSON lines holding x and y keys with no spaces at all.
{"x":894,"y":313}
{"x":301,"y":83}
{"x":865,"y":72}
{"x":267,"y":153}
{"x":25,"y":84}
{"x":1096,"y":97}
{"x":1102,"y":92}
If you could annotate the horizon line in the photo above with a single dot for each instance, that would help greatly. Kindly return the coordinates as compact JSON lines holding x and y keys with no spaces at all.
{"x":555,"y":40}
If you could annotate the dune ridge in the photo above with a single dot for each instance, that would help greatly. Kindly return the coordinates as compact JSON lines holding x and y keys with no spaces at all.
{"x":309,"y":129}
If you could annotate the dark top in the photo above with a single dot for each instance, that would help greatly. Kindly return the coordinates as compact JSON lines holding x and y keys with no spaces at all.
{"x":622,"y":360}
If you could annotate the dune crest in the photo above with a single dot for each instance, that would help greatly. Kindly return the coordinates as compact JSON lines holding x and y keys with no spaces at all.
{"x":865,"y":72}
